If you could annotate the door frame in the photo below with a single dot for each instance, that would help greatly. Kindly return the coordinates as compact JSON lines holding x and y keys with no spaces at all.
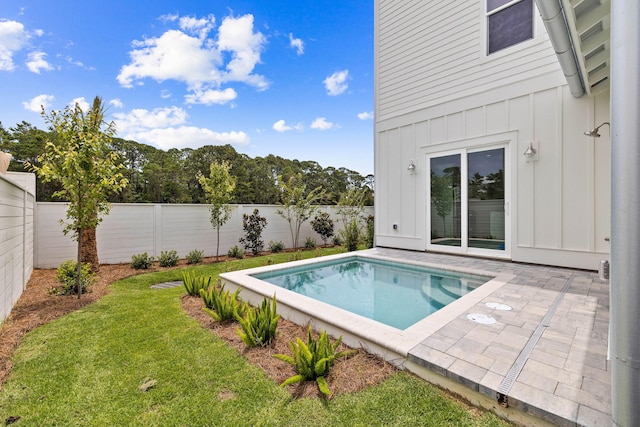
{"x":507,"y":141}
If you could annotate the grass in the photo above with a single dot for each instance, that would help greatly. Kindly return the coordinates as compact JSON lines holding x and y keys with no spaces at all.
{"x":87,"y":369}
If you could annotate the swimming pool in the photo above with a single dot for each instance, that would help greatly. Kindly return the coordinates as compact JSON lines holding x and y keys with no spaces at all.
{"x":396,"y":294}
{"x":389,"y":342}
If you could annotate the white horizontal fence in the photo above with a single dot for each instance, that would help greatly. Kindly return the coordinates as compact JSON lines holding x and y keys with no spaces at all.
{"x":17,"y":205}
{"x":132,"y":229}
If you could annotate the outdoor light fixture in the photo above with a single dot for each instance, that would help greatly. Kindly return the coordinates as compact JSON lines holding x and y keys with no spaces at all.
{"x":412,"y":166}
{"x":594,"y":132}
{"x":530,"y":152}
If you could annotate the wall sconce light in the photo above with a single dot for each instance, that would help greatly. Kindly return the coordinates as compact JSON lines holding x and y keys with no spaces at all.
{"x":530,"y":153}
{"x":412,"y":166}
{"x":594,"y":132}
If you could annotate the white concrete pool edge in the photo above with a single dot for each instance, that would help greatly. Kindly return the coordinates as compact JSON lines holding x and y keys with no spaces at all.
{"x":357,"y":331}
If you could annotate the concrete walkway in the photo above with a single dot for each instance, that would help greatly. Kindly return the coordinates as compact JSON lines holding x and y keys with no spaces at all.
{"x":546,"y":353}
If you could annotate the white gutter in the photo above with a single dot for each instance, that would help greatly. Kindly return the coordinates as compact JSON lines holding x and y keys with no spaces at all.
{"x":556,"y":24}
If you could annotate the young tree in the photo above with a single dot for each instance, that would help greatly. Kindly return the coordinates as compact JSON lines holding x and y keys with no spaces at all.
{"x":81,"y":160}
{"x":351,"y":209}
{"x":218,"y":189}
{"x":323,"y":225}
{"x":297,"y":204}
{"x":253,"y":225}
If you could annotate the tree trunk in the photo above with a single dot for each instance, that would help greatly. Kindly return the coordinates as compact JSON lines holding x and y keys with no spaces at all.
{"x":79,"y":265}
{"x":90,"y":249}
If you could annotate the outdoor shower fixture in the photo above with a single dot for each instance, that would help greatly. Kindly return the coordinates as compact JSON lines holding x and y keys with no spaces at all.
{"x":530,"y":152}
{"x":594,"y":132}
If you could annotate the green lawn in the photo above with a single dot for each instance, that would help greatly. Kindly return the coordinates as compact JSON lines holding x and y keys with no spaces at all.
{"x":86,"y":369}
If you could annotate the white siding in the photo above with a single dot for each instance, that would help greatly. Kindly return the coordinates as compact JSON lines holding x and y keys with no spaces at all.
{"x":430,"y":52}
{"x":16,"y":241}
{"x":560,"y":202}
{"x":131,"y":229}
{"x":437,"y":91}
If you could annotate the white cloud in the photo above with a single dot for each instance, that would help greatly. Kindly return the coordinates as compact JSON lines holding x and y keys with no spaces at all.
{"x":366,"y":115}
{"x":321,"y":123}
{"x":189,"y":136}
{"x":37,"y":62}
{"x":116,"y":102}
{"x":336,"y":83}
{"x":237,"y":37}
{"x":164,"y":94}
{"x":166,"y":128}
{"x":36,"y":104}
{"x":282,"y":126}
{"x":82,"y":103}
{"x":211,"y":96}
{"x":140,"y":119}
{"x":201,"y":26}
{"x":297,"y":44}
{"x":203,"y":63}
{"x":13,"y":37}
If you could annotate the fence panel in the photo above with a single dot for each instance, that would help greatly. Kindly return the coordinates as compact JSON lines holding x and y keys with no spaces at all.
{"x":16,"y":238}
{"x":131,"y":229}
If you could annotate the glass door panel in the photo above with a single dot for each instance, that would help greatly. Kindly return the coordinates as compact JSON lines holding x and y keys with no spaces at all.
{"x":446,"y":206}
{"x":485,"y":204}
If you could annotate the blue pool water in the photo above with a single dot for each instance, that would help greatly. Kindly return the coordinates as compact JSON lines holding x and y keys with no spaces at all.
{"x":392,"y":293}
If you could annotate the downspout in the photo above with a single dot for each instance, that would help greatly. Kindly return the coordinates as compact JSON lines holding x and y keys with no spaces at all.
{"x":552,"y":14}
{"x":624,"y":306}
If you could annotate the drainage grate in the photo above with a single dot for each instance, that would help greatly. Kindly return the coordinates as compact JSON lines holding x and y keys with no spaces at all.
{"x":516,"y":368}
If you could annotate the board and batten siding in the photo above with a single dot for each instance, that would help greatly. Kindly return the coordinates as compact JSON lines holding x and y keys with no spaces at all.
{"x":560,"y":202}
{"x":131,"y":229}
{"x":431,"y":52}
{"x":16,"y":238}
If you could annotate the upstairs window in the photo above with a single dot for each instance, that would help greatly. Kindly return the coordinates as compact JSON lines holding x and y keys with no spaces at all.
{"x":509,"y":22}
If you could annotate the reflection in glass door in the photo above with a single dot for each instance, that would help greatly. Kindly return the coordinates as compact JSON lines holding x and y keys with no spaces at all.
{"x":486,"y":199}
{"x":445,"y":201}
{"x":467,"y":194}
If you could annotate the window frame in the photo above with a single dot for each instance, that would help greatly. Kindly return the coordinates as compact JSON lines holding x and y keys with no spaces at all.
{"x":484,"y":45}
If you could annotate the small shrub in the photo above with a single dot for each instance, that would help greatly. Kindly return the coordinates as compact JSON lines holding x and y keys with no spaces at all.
{"x":168,"y":258}
{"x":141,"y":261}
{"x":323,"y":225}
{"x":68,"y":277}
{"x":235,"y":252}
{"x":222,"y":305}
{"x":351,"y":235}
{"x":295,"y":256}
{"x":313,"y":360}
{"x":371,"y":231}
{"x":276,"y":247}
{"x":310,"y":243}
{"x":337,"y":240}
{"x":253,"y":225}
{"x":193,"y":284}
{"x":259,"y":324}
{"x":195,"y":256}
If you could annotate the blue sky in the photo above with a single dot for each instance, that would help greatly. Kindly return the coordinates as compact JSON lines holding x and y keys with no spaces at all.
{"x":289,"y":78}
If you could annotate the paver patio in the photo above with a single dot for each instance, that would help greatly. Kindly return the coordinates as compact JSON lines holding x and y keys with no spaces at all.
{"x":547,"y":356}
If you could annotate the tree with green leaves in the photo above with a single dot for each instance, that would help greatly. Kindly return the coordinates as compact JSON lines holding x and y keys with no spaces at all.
{"x":81,"y":160}
{"x":218,"y":189}
{"x":298,"y":204}
{"x":323,"y":225}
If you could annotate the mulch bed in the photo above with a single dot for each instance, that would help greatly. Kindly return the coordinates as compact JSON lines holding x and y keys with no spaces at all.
{"x":38,"y":306}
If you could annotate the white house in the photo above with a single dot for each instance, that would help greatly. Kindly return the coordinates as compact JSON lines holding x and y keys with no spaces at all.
{"x":480,"y":144}
{"x":509,"y":129}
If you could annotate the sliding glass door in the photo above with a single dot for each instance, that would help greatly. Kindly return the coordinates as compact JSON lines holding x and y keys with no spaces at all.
{"x":468,"y":207}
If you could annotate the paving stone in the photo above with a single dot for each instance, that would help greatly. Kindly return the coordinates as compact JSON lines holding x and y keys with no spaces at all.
{"x":590,"y":417}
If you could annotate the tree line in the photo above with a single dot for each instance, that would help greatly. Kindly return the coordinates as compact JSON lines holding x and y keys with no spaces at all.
{"x":158,"y":176}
